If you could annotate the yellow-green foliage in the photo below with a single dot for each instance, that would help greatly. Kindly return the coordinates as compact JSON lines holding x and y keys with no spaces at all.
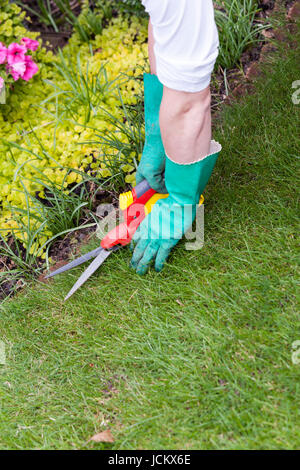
{"x":23,"y":120}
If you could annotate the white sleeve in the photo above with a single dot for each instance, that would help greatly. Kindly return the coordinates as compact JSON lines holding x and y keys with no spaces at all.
{"x":186,"y":42}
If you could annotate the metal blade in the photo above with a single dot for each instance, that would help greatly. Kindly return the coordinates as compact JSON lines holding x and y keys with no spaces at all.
{"x":89,"y":271}
{"x":76,"y":262}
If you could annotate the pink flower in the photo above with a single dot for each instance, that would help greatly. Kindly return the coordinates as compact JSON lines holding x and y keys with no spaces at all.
{"x":31,"y":44}
{"x":15,"y":53}
{"x":3,"y":53}
{"x":17,"y":70}
{"x":1,"y":83}
{"x":30,"y":68}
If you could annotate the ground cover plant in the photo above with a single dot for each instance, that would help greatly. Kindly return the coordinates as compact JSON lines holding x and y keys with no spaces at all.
{"x":79,"y":121}
{"x":39,"y":141}
{"x":200,"y":356}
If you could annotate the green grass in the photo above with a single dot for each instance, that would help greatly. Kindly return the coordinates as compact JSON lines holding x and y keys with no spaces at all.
{"x":197,"y":357}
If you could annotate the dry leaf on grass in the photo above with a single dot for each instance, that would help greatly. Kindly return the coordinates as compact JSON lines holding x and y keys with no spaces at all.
{"x":104,"y":436}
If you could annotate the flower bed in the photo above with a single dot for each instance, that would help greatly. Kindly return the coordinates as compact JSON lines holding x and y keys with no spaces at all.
{"x":42,"y":143}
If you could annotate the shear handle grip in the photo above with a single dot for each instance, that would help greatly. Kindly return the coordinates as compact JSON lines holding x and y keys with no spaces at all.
{"x":141,"y":189}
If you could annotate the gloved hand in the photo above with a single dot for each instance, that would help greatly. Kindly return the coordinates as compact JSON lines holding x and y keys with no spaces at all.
{"x":159,"y":233}
{"x":152,"y":164}
{"x":170,"y":218}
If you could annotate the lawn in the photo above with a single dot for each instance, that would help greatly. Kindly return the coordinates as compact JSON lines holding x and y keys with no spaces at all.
{"x":199,"y":356}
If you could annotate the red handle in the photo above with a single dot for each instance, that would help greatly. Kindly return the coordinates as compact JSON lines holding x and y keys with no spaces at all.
{"x":133,"y":216}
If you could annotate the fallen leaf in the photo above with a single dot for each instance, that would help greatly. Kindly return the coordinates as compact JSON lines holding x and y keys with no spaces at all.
{"x":104,"y":436}
{"x":267,"y":33}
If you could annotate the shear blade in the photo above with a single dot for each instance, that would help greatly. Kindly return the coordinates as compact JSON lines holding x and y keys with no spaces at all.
{"x":76,"y":262}
{"x":104,"y":254}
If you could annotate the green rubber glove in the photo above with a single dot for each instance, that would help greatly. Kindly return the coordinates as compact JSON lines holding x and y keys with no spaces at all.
{"x":152,"y":164}
{"x":170,"y":218}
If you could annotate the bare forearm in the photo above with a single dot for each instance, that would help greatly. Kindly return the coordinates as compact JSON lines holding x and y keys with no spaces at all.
{"x":151,"y":49}
{"x":185,"y":123}
{"x":185,"y":118}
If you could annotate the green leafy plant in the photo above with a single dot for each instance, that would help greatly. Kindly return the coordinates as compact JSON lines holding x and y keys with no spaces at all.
{"x":237,"y":29}
{"x":94,"y":16}
{"x":81,"y":88}
{"x":54,"y":211}
{"x":56,"y":14}
{"x":73,"y":20}
{"x":79,"y":92}
{"x":122,"y":145}
{"x":44,"y":13}
{"x":134,"y":7}
{"x":11,"y":18}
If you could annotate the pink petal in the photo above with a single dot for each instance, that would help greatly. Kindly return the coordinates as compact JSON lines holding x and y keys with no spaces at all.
{"x":31,"y":44}
{"x":3,"y":53}
{"x":15,"y":53}
{"x":31,"y":68}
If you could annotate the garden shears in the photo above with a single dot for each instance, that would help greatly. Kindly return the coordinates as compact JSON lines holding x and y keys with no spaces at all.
{"x":135,"y":206}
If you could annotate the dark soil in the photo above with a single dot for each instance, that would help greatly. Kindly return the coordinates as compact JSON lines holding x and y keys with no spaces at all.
{"x":61,"y":249}
{"x":236,"y":75}
{"x":51,"y":38}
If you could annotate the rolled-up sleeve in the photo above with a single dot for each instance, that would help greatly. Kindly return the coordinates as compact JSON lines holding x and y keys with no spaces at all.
{"x":186,"y":42}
